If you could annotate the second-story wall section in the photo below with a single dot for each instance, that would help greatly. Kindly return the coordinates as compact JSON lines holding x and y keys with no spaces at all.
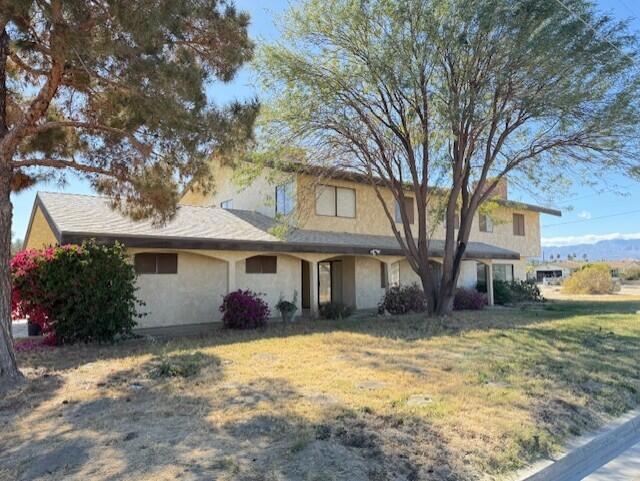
{"x":370,"y":217}
{"x":229,"y":192}
{"x":339,"y":205}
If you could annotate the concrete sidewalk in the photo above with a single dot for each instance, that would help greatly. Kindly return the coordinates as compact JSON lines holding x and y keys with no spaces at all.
{"x":612,"y":454}
{"x":625,"y":467}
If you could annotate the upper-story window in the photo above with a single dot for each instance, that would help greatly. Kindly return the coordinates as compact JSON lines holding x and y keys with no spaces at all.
{"x":456,"y":220}
{"x":486,"y":224}
{"x":518,"y":224}
{"x":335,"y":201}
{"x":227,"y":204}
{"x":284,"y":198}
{"x":408,"y":205}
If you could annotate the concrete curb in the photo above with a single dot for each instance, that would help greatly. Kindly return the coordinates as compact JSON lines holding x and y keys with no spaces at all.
{"x":590,"y":453}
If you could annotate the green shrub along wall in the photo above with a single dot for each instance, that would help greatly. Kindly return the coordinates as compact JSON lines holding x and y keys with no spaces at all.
{"x":76,"y":293}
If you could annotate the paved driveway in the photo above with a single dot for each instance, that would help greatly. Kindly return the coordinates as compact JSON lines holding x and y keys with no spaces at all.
{"x":20,"y":329}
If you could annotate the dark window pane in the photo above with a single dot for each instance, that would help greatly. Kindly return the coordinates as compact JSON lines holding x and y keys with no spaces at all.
{"x":167,"y":263}
{"x":408,"y":206}
{"x":261,"y":265}
{"x":383,"y":275}
{"x":253,"y":265}
{"x":145,"y":263}
{"x":269,"y":264}
{"x":518,"y":224}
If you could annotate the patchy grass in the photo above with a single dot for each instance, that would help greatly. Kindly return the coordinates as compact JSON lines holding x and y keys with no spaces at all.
{"x":476,"y":395}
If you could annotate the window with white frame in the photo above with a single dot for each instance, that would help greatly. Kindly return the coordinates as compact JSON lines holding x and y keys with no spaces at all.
{"x":285,"y":198}
{"x":335,"y":201}
{"x":486,"y":224}
{"x":503,"y":272}
{"x":227,"y":204}
{"x":408,"y":205}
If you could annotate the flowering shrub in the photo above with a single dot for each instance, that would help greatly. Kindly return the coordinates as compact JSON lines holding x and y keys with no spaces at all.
{"x":75,"y":293}
{"x":403,"y":299}
{"x":244,"y":310}
{"x":469,"y":299}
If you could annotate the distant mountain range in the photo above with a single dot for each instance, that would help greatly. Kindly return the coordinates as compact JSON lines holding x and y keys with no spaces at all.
{"x":611,"y":250}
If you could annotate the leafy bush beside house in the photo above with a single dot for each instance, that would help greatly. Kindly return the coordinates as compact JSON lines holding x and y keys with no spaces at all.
{"x":244,"y":310}
{"x":403,"y":299}
{"x":591,"y":279}
{"x":75,"y":293}
{"x":509,"y":292}
{"x":335,"y":310}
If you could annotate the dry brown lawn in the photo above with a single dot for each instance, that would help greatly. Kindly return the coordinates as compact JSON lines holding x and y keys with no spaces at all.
{"x":473,"y":396}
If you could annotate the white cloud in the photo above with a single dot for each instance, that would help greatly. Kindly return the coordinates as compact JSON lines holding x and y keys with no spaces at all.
{"x":585,"y":214}
{"x":585,"y":239}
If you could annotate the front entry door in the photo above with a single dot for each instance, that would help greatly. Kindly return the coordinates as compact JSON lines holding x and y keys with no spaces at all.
{"x":329,"y":282}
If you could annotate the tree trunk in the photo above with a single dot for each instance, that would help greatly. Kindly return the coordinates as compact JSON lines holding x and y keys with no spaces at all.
{"x":9,"y":374}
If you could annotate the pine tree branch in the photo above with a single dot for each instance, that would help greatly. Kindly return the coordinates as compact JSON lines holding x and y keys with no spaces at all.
{"x":63,"y":164}
{"x":144,"y":149}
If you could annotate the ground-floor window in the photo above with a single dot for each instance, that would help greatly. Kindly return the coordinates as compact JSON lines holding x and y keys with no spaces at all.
{"x":156,"y":263}
{"x":503,"y":272}
{"x":481,"y":272}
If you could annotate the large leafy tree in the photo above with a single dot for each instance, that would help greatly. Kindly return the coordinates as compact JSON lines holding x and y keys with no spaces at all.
{"x":439,"y":100}
{"x":116,"y":91}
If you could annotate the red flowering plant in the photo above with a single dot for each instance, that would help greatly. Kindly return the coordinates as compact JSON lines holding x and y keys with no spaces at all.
{"x":75,"y":293}
{"x":244,"y":310}
{"x":27,"y":293}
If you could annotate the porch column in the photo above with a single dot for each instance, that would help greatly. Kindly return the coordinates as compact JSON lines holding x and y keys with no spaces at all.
{"x":489,"y":267}
{"x":231,"y":275}
{"x":313,"y":288}
{"x":387,"y":266}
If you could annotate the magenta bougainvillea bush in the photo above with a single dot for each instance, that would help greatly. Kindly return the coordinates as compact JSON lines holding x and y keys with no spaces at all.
{"x":469,"y":299}
{"x":244,"y":310}
{"x":75,"y":293}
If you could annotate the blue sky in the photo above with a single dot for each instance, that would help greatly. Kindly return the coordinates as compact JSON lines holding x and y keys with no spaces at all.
{"x":588,"y":214}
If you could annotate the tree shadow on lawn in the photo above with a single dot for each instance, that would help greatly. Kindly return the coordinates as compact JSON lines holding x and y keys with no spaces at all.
{"x":201,"y":428}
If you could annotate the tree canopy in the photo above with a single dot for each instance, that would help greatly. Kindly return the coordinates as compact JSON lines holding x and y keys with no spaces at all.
{"x":419,"y":95}
{"x":122,"y":93}
{"x":118,"y":91}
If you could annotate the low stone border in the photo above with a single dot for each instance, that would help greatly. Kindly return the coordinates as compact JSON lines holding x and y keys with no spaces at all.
{"x":587,"y":454}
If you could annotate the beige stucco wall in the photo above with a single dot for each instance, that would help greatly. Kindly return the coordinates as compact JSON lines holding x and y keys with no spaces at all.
{"x":259,"y":196}
{"x":468,"y":274}
{"x":368,"y":290}
{"x":287,"y":280}
{"x":372,"y":219}
{"x":192,"y":296}
{"x":370,"y":215}
{"x":40,"y":234}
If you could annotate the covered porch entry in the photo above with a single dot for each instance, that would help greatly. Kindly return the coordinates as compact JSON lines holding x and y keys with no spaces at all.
{"x":355,"y":281}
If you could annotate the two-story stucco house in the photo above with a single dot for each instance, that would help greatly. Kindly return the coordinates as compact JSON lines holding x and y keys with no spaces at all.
{"x":342,"y":248}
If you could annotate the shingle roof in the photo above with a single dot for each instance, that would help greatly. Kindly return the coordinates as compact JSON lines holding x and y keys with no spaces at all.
{"x":74,"y":218}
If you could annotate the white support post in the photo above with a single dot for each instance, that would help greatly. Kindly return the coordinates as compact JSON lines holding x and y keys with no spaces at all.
{"x":313,"y":288}
{"x":387,"y":267}
{"x":489,"y":267}
{"x":231,"y":275}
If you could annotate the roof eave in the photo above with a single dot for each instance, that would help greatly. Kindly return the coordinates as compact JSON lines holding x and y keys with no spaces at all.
{"x":192,"y":243}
